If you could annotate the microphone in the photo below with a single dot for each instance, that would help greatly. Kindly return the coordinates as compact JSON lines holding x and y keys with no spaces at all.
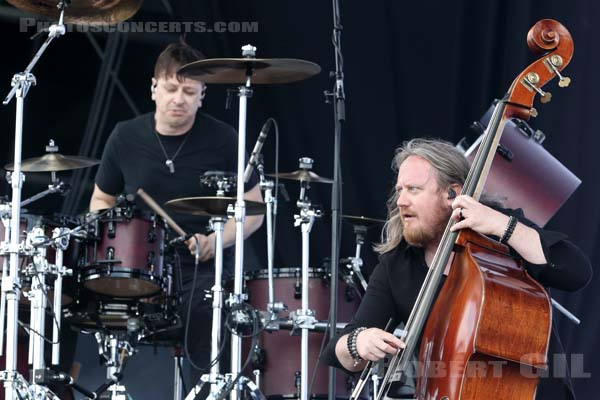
{"x":257,"y":149}
{"x":180,"y":239}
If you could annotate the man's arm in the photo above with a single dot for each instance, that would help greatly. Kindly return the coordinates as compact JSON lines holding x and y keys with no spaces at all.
{"x":207,"y":242}
{"x":101,"y":200}
{"x":485,"y":220}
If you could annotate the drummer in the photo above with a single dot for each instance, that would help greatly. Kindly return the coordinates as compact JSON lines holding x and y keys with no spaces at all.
{"x":165,"y":152}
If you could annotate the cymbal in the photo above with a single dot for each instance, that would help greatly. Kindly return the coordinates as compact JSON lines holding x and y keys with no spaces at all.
{"x":83,"y":12}
{"x":54,"y":162}
{"x":302,"y":175}
{"x":214,"y":206}
{"x":265,"y":70}
{"x":360,"y":220}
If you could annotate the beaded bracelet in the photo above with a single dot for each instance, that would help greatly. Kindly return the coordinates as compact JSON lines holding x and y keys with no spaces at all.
{"x":510,"y":228}
{"x":351,"y":344}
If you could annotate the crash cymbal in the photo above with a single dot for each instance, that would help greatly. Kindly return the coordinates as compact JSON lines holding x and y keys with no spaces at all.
{"x":360,"y":220}
{"x":302,"y":175}
{"x":211,"y":206}
{"x":265,"y":70}
{"x":83,"y":12}
{"x":54,"y":162}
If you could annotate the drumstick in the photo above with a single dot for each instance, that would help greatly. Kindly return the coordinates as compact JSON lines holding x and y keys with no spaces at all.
{"x":158,"y":209}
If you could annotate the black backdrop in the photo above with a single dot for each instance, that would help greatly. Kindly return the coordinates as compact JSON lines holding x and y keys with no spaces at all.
{"x":412,"y":69}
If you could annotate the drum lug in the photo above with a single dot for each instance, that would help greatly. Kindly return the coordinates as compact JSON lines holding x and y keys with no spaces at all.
{"x":110,"y":253}
{"x":152,"y":235}
{"x":111,"y":230}
{"x":298,"y":288}
{"x":150,"y":261}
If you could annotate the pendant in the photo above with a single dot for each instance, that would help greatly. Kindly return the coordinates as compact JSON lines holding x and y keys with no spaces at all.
{"x":170,"y":165}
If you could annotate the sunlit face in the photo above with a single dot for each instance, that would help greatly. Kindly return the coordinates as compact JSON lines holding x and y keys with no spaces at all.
{"x":424,"y":208}
{"x":177,"y":101}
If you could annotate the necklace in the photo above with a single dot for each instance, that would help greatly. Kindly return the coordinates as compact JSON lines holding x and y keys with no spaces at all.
{"x":169,"y":160}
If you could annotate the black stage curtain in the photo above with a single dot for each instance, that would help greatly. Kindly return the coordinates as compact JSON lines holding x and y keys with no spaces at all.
{"x":412,"y":69}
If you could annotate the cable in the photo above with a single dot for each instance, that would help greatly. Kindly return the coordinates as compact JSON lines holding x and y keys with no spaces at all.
{"x":189,"y":307}
{"x":256,"y":331}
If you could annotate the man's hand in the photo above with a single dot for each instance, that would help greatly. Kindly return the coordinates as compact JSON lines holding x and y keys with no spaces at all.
{"x":469,"y":213}
{"x":207,"y":246}
{"x":373,"y":344}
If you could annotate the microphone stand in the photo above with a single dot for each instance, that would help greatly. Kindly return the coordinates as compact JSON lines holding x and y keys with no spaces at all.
{"x":337,"y":97}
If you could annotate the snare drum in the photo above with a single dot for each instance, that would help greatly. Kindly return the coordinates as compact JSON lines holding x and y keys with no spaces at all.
{"x":97,"y":313}
{"x":283,"y":352}
{"x":125,"y":258}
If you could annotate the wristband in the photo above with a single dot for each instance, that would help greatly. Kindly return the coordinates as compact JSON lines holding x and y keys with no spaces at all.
{"x":351,"y":344}
{"x":510,"y":228}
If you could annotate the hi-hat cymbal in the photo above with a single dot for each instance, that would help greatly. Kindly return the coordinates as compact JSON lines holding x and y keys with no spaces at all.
{"x":302,"y":175}
{"x":83,"y":12}
{"x":264,"y":70}
{"x":360,"y":220}
{"x":54,"y":162}
{"x":214,"y":206}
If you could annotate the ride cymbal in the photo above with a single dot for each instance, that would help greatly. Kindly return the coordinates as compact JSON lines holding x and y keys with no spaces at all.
{"x":82,"y":12}
{"x":301,"y":175}
{"x":54,"y":162}
{"x":213,"y":206}
{"x":264,"y":70}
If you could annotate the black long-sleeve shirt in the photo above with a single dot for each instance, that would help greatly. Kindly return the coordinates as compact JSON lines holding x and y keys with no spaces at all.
{"x":397,"y":280}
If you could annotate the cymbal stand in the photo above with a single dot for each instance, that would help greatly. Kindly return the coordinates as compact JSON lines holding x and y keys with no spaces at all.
{"x":305,"y":318}
{"x":237,"y":297}
{"x":273,"y":307}
{"x":356,"y":262}
{"x":21,"y":83}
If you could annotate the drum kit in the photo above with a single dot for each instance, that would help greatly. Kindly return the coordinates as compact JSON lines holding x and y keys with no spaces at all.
{"x":106,"y":273}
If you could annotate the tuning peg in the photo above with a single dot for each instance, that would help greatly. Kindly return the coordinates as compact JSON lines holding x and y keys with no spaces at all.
{"x":533,"y":112}
{"x":546,"y":97}
{"x":530,"y":80}
{"x":553,"y":63}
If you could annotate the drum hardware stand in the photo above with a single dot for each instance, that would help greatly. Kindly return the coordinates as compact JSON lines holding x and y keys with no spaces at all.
{"x":273,"y":307}
{"x":21,"y":83}
{"x":216,"y":380}
{"x":37,"y":240}
{"x":305,"y":318}
{"x":113,"y":351}
{"x":177,"y":381}
{"x":355,"y":263}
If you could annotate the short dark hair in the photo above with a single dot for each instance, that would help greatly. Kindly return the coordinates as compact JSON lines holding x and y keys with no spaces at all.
{"x":175,"y":56}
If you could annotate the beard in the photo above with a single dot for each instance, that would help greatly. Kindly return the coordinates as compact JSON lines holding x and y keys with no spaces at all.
{"x":419,"y":235}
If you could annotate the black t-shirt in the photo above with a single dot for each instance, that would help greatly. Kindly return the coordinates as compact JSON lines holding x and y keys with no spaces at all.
{"x":133,"y":159}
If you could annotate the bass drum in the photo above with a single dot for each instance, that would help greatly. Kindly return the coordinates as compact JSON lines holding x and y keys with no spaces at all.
{"x":279,"y":353}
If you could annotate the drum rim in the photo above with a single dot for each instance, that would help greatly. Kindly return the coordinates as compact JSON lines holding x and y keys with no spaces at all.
{"x":137,"y":213}
{"x":92,"y":274}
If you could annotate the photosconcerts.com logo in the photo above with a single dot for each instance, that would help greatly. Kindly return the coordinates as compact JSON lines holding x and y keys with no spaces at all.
{"x":31,"y":24}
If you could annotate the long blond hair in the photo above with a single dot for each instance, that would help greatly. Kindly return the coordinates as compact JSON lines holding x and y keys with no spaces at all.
{"x":450,"y":165}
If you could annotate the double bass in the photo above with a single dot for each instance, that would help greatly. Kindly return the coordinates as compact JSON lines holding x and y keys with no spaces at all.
{"x":487,"y":335}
